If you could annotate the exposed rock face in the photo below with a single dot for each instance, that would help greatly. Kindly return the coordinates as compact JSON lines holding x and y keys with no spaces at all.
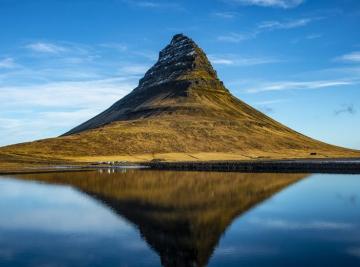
{"x":178,"y":61}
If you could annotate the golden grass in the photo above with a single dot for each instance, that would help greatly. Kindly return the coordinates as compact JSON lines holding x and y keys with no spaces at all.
{"x":181,"y":157}
{"x":177,"y":138}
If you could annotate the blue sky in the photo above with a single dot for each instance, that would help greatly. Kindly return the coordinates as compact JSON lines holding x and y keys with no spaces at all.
{"x":64,"y":61}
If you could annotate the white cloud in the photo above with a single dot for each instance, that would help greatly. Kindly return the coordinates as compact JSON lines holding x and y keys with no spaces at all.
{"x":296,"y":85}
{"x":221,"y":61}
{"x":153,"y":4}
{"x":270,"y":102}
{"x":307,"y":37}
{"x":80,"y":94}
{"x":46,"y":110}
{"x":7,"y":63}
{"x":290,"y":24}
{"x":117,"y":46}
{"x":147,"y":4}
{"x":42,"y":47}
{"x":62,"y":85}
{"x":236,"y":37}
{"x":234,"y":60}
{"x":266,"y":26}
{"x":313,"y":36}
{"x":353,"y":57}
{"x":270,"y":3}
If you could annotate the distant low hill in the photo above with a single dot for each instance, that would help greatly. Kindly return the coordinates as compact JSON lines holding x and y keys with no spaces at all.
{"x":179,"y":111}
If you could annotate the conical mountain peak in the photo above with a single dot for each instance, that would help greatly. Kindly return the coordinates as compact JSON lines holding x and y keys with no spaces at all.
{"x":178,"y":83}
{"x":182,"y":59}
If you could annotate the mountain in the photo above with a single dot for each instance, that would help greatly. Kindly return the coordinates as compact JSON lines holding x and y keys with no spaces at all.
{"x":182,"y":82}
{"x":179,"y":111}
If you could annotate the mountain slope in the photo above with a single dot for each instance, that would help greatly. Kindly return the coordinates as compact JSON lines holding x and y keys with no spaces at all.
{"x":180,"y":106}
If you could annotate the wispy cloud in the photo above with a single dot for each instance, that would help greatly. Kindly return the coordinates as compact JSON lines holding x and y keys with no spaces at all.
{"x":66,"y":94}
{"x":50,"y":109}
{"x":224,"y":15}
{"x":270,"y":3}
{"x":117,"y":46}
{"x":300,"y":85}
{"x":267,"y":26}
{"x":42,"y":47}
{"x":313,"y":36}
{"x":347,"y":109}
{"x":353,"y":57}
{"x":154,"y":4}
{"x":130,"y":51}
{"x":234,"y":37}
{"x":220,"y":60}
{"x":7,"y":63}
{"x":234,"y":60}
{"x":269,"y":102}
{"x":289,"y":24}
{"x":307,"y":37}
{"x":147,"y":4}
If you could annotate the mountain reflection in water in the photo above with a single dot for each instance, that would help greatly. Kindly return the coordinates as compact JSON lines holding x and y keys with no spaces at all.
{"x":181,"y":215}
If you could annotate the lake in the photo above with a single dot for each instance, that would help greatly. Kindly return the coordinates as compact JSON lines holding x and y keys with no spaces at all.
{"x":128,"y":217}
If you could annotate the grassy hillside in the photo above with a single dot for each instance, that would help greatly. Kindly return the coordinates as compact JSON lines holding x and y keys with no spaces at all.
{"x":200,"y":126}
{"x":179,"y":138}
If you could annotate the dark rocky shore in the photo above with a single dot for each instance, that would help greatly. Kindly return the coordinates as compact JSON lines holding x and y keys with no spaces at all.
{"x":300,"y":166}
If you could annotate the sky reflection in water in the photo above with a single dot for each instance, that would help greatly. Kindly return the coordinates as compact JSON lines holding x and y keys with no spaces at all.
{"x":149,"y":218}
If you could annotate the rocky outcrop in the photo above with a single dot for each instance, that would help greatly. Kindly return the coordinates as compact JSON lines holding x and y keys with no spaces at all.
{"x":182,"y":59}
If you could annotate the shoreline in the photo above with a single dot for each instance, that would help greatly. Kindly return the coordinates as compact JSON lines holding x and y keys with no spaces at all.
{"x":340,"y":165}
{"x":347,"y":166}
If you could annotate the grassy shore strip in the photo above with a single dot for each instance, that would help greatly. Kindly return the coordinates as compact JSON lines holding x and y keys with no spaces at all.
{"x":67,"y":168}
{"x":343,"y":165}
{"x":301,"y":166}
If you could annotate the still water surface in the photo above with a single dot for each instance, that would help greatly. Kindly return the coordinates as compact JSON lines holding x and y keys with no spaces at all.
{"x":164,"y":218}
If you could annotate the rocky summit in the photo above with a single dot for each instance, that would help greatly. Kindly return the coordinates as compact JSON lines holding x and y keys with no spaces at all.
{"x":179,"y":111}
{"x":177,"y":61}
